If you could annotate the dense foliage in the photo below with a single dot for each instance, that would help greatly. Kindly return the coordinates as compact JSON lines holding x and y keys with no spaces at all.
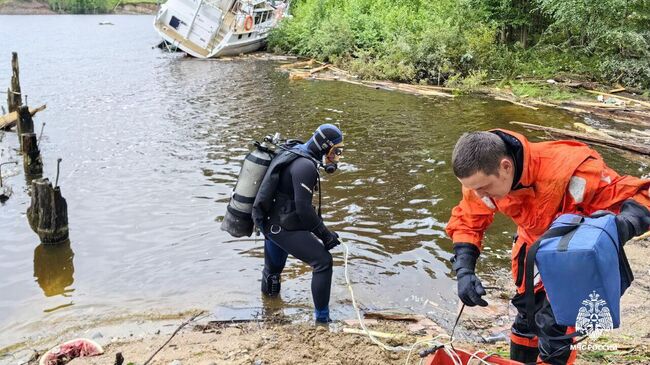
{"x":469,"y":41}
{"x":90,"y":6}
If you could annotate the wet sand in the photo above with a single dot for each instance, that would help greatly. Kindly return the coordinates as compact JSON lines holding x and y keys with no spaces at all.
{"x":271,"y":342}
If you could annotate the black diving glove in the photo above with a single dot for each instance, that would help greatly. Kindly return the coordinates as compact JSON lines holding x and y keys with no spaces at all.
{"x":632,"y":221}
{"x":329,"y":238}
{"x":470,"y":289}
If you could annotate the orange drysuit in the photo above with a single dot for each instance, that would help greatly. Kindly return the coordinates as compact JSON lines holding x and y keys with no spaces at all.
{"x":556,"y":178}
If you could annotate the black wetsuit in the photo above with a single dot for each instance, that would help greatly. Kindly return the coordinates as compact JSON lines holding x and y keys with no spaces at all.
{"x":289,"y":228}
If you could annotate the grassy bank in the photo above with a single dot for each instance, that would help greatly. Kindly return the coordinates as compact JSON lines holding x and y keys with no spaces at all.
{"x":466,"y":43}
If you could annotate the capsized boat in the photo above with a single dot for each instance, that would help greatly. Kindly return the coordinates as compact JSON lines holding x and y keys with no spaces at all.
{"x":215,"y":28}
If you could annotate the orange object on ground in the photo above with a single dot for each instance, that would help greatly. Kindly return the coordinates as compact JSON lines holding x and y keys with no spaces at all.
{"x":440,"y":357}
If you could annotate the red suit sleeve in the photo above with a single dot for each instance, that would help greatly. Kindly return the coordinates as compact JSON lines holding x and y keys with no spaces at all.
{"x":594,"y":186}
{"x":470,"y":219}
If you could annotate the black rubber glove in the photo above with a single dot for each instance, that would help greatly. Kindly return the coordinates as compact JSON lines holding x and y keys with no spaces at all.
{"x":470,"y":289}
{"x":329,"y":238}
{"x":632,"y":221}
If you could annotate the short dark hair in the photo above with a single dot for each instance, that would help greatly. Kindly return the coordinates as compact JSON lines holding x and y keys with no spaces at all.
{"x":477,"y":151}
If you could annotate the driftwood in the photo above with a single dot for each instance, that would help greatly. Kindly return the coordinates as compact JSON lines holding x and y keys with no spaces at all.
{"x":515,"y":102}
{"x":592,"y":130}
{"x":14,"y":97}
{"x":642,"y":133}
{"x":610,"y":142}
{"x":9,"y":120}
{"x":48,"y":213}
{"x":373,"y":333}
{"x":393,"y":316}
{"x":618,"y":115}
{"x":640,"y":102}
{"x":32,"y":162}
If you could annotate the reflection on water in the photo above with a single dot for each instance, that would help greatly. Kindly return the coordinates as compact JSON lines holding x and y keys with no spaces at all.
{"x":54,"y":268}
{"x":153,"y":143}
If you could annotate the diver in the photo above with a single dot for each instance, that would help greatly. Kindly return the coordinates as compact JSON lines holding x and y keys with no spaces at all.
{"x":283,"y":211}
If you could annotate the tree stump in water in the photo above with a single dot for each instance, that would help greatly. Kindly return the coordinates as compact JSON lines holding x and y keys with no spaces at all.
{"x":48,"y":213}
{"x":14,"y":97}
{"x":32,"y":161}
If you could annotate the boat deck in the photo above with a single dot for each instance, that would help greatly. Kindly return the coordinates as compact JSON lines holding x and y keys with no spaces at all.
{"x":181,"y":41}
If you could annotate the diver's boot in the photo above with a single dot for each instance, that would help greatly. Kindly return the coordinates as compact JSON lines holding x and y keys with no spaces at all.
{"x":322,"y":316}
{"x":270,"y":284}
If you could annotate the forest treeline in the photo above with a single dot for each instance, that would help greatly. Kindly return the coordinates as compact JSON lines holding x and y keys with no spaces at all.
{"x":472,"y":41}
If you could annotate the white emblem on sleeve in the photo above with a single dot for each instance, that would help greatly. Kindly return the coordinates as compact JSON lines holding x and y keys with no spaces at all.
{"x":488,"y":202}
{"x":577,"y":186}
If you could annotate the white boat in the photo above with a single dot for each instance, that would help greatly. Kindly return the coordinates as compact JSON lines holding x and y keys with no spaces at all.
{"x":214,"y":28}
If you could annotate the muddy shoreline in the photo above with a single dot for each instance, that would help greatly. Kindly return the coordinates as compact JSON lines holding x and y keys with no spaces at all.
{"x":282,"y":340}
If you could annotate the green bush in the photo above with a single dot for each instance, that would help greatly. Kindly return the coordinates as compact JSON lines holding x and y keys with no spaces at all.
{"x":437,"y":41}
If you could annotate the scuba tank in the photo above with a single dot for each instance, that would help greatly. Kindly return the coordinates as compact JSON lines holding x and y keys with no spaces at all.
{"x":238,"y":220}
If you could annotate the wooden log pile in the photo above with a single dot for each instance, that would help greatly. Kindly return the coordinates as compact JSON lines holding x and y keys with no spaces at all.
{"x":637,"y":143}
{"x":314,"y":70}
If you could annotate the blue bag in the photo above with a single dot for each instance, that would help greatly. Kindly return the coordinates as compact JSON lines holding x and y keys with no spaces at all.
{"x":583,"y":268}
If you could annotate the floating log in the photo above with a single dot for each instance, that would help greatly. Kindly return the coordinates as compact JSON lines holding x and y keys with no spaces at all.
{"x":9,"y":120}
{"x":14,"y":97}
{"x":48,"y":213}
{"x":516,"y":103}
{"x":596,"y":105}
{"x":32,"y":162}
{"x":318,"y":69}
{"x":610,"y":142}
{"x":592,"y":130}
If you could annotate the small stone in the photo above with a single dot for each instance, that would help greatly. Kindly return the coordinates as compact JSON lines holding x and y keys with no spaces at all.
{"x":257,"y":362}
{"x":97,"y":335}
{"x":176,"y":362}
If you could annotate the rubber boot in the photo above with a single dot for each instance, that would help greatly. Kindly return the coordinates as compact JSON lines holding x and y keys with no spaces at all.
{"x":270,"y":284}
{"x":322,"y":316}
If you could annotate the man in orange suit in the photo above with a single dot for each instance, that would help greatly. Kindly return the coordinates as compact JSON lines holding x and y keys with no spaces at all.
{"x":533,"y":183}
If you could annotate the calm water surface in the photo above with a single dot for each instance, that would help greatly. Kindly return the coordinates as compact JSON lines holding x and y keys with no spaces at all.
{"x":151,"y":146}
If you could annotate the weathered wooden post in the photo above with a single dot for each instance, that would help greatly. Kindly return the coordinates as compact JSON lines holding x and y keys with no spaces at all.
{"x":32,"y":161}
{"x":25,"y":124}
{"x":48,"y":213}
{"x":14,"y":97}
